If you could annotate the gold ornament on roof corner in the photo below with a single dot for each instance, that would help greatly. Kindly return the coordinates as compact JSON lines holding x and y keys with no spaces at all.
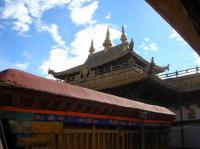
{"x":154,"y":69}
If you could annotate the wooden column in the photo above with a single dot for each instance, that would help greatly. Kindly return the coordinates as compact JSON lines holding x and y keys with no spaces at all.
{"x":142,"y":136}
{"x":61,"y":141}
{"x":156,"y":138}
{"x":143,"y":116}
{"x":93,"y":136}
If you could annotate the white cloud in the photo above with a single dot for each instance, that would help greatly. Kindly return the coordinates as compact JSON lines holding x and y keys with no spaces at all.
{"x":78,"y":3}
{"x":53,"y":30}
{"x":175,"y":35}
{"x":23,"y":12}
{"x":17,"y":11}
{"x":98,"y":33}
{"x":146,"y":39}
{"x":153,"y":47}
{"x":82,"y":15}
{"x":59,"y":59}
{"x":147,"y":45}
{"x":108,"y":16}
{"x":22,"y":66}
{"x":38,"y":7}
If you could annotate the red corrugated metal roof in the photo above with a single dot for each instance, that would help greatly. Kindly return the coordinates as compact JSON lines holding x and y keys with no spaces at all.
{"x":26,"y":80}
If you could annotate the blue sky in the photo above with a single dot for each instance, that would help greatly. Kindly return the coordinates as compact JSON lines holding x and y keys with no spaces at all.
{"x":38,"y":34}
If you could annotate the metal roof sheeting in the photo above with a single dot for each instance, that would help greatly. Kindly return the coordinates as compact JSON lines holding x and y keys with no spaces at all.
{"x":102,"y":57}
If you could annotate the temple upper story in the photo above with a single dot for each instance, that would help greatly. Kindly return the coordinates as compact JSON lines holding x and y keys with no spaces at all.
{"x":110,"y":66}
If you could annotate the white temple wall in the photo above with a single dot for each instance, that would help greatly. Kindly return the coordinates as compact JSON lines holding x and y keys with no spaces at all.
{"x":185,"y":112}
{"x":191,"y":130}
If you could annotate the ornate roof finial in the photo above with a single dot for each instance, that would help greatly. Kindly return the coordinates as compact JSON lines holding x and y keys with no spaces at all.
{"x":107,"y":42}
{"x":92,"y":49}
{"x":108,"y":34}
{"x":123,"y":36}
{"x":52,"y":72}
{"x":131,"y":45}
{"x":152,"y":62}
{"x":151,"y":67}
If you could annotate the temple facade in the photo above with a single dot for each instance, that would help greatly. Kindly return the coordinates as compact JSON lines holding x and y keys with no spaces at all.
{"x":120,"y":71}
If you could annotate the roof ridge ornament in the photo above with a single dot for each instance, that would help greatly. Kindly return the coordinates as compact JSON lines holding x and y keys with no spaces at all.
{"x":107,"y":42}
{"x":131,"y":45}
{"x":92,"y":49}
{"x":152,"y":62}
{"x":123,"y":37}
{"x":154,"y":69}
{"x":50,"y":71}
{"x":151,"y":66}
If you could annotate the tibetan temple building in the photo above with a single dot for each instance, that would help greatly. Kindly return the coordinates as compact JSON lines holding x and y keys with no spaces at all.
{"x":112,"y":67}
{"x":120,"y":71}
{"x":38,"y":113}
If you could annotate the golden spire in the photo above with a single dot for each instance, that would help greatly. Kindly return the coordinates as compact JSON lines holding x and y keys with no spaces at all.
{"x":92,"y":49}
{"x":131,"y":45}
{"x":107,"y":42}
{"x":123,"y":37}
